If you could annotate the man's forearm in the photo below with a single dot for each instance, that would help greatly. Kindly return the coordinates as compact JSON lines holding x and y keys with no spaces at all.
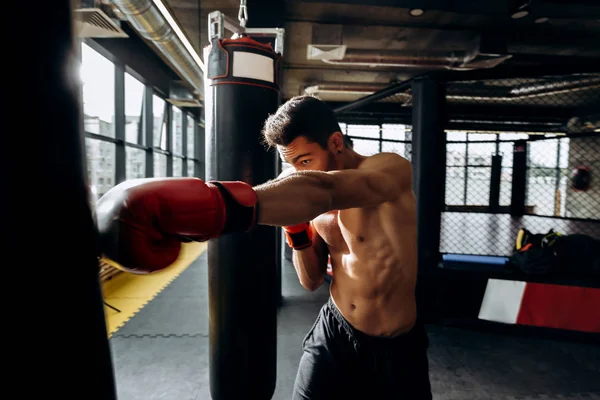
{"x":309,"y":268}
{"x":297,"y":198}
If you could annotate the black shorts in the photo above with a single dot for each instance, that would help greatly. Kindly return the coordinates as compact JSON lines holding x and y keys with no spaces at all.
{"x":340,"y":362}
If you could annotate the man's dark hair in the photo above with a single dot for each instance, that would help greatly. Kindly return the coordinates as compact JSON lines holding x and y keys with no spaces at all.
{"x":305,"y":116}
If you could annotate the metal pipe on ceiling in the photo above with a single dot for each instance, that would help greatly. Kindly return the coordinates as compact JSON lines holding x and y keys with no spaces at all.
{"x":381,"y":94}
{"x":344,"y":88}
{"x":150,"y":22}
{"x":455,"y":60}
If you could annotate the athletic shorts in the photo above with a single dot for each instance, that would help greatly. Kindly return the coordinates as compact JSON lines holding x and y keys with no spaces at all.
{"x":340,"y":362}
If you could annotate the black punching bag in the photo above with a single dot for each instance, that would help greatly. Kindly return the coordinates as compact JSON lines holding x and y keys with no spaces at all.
{"x":241,"y":91}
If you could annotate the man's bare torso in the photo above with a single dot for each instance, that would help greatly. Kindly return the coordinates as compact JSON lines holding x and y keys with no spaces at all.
{"x":374,"y":261}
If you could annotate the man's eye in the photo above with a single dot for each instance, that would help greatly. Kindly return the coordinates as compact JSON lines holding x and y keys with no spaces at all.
{"x":305,"y":162}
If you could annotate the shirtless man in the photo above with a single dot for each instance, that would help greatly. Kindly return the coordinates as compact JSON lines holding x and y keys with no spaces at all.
{"x":367,"y":342}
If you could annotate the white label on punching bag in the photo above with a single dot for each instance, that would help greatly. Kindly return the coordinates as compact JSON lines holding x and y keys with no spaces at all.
{"x":253,"y":66}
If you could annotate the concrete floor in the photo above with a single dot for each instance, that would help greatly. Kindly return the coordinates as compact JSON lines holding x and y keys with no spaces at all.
{"x":162,"y":352}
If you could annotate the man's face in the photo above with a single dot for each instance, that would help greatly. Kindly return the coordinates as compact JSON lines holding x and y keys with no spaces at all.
{"x":303,"y":155}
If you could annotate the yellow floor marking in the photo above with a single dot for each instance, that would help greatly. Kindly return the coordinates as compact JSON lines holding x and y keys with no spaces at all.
{"x":129,"y":293}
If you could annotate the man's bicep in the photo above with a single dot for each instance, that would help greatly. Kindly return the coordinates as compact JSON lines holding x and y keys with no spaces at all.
{"x":381,"y":178}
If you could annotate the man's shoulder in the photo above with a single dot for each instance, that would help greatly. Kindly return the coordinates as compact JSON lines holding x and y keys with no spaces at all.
{"x":384,"y":160}
{"x":391,"y":167}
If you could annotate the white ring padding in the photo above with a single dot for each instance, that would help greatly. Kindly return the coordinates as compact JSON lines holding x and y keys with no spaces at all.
{"x":253,"y":66}
{"x":502,"y":301}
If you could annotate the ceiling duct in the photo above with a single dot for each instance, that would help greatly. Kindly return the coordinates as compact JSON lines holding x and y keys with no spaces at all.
{"x":332,"y":44}
{"x":453,"y":60}
{"x":150,"y":22}
{"x":97,"y":19}
{"x":325,"y":52}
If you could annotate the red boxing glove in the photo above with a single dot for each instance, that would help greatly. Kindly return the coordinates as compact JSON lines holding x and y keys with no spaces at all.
{"x":142,"y":222}
{"x":299,"y":236}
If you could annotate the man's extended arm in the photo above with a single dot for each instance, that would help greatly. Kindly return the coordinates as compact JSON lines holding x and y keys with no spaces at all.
{"x":302,"y":196}
{"x":142,"y":222}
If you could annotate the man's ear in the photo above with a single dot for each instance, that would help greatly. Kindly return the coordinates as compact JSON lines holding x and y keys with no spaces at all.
{"x":336,"y":142}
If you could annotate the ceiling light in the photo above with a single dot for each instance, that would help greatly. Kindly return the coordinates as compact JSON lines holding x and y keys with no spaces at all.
{"x":186,"y":43}
{"x":541,"y":20}
{"x":416,"y":12}
{"x":520,"y":14}
{"x":522,"y":10}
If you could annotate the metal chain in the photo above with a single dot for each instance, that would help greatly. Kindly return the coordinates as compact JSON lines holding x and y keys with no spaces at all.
{"x":243,"y":13}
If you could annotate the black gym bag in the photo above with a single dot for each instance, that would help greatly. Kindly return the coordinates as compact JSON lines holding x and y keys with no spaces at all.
{"x":572,"y":256}
{"x":535,"y":254}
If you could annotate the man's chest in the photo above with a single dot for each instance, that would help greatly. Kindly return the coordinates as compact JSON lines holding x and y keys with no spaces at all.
{"x":339,"y":228}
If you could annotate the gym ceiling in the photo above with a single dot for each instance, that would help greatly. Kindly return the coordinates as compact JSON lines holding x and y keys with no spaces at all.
{"x":385,"y":41}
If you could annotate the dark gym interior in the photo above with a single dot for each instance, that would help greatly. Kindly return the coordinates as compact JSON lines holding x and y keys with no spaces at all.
{"x":496,"y":104}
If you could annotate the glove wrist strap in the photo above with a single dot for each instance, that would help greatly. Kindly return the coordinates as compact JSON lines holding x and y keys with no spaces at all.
{"x":299,"y":239}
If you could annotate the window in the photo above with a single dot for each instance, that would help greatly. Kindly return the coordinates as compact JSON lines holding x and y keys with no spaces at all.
{"x":136,"y":163}
{"x":98,"y":81}
{"x":456,"y":159}
{"x":478,"y":186}
{"x":514,"y":136}
{"x":372,"y":139}
{"x":453,"y":136}
{"x":395,"y":147}
{"x":191,"y":148}
{"x":366,"y":131}
{"x":190,"y":168}
{"x":366,"y":147}
{"x":159,"y":107}
{"x":455,"y":185}
{"x":393,"y":132}
{"x":456,"y":154}
{"x":177,"y":131}
{"x":469,"y":167}
{"x":480,"y":154}
{"x":542,"y":179}
{"x":134,"y":110}
{"x":160,"y":165}
{"x":177,"y":166}
{"x":564,"y":172}
{"x":394,"y":139}
{"x":542,"y":154}
{"x":100,"y":157}
{"x":482,"y":137}
{"x":506,"y":151}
